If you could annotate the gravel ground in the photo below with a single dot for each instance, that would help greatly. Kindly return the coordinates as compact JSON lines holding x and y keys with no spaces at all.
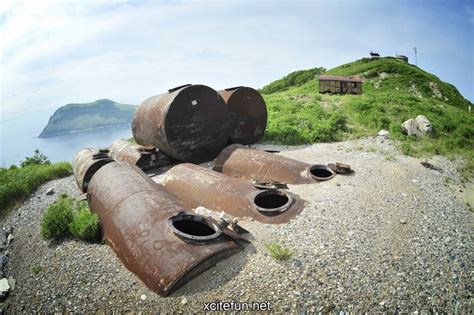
{"x":394,"y":236}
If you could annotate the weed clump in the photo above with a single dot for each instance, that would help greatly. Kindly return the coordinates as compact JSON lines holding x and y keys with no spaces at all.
{"x":66,"y":217}
{"x":278,"y":252}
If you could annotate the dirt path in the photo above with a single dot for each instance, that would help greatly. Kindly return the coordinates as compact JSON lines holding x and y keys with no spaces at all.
{"x":393,"y":236}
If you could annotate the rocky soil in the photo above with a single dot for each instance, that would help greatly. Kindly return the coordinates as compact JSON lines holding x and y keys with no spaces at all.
{"x":395,"y":236}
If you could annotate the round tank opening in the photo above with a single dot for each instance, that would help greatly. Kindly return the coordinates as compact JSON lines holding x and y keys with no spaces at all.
{"x":193,"y":227}
{"x":321,"y":172}
{"x":271,"y":202}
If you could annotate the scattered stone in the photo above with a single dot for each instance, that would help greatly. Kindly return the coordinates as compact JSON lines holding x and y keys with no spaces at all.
{"x":384,"y":133}
{"x":419,"y":127}
{"x":431,"y":166}
{"x":10,"y":239}
{"x":403,"y":221}
{"x":3,"y":261}
{"x":184,"y":301}
{"x":4,"y":287}
{"x":12,"y":283}
{"x":143,"y":297}
{"x":50,"y":191}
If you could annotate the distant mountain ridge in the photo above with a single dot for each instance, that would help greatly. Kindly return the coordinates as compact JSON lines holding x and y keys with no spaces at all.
{"x":78,"y":117}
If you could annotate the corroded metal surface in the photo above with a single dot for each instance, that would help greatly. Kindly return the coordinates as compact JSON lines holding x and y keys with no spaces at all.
{"x":251,"y":164}
{"x":248,"y":114}
{"x":85,"y":165}
{"x":138,"y":219}
{"x":189,"y":123}
{"x":143,"y":157}
{"x":196,"y":186}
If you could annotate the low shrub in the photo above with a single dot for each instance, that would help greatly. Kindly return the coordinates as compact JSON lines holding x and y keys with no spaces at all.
{"x":85,"y":225}
{"x":66,"y":217}
{"x":278,"y":252}
{"x":56,"y":220}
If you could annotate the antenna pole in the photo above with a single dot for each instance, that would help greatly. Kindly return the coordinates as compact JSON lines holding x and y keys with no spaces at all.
{"x":416,"y":59}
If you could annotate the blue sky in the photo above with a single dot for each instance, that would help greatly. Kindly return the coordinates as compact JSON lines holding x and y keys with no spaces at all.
{"x":59,"y":52}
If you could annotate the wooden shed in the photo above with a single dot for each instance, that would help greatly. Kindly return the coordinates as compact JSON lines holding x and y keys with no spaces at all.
{"x":340,"y":85}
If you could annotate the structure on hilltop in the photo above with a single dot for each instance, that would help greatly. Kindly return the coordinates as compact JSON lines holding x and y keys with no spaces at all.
{"x":340,"y":84}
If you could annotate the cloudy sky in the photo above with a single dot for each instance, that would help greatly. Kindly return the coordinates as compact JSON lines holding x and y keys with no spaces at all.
{"x":59,"y":52}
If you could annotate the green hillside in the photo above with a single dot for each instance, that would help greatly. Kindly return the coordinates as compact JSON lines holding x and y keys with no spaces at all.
{"x":79,"y":117}
{"x":393,"y":92}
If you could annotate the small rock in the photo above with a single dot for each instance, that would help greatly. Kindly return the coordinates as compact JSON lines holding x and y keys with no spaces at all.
{"x":3,"y":261}
{"x":382,"y":303}
{"x":50,"y":191}
{"x":10,"y":238}
{"x":4,"y":287}
{"x":423,"y":124}
{"x":297,"y":293}
{"x":12,"y":283}
{"x":184,"y":301}
{"x":143,"y":297}
{"x":384,"y":133}
{"x":403,"y":221}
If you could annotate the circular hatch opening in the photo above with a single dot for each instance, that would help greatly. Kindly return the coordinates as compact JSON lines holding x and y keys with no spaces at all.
{"x":321,"y":172}
{"x":272,"y":202}
{"x":194,"y":227}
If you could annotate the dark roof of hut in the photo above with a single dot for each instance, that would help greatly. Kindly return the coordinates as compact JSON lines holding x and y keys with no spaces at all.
{"x":339,"y":78}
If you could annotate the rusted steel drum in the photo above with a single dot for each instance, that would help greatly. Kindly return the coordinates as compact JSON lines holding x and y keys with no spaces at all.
{"x":196,"y":186}
{"x":248,"y":114}
{"x":156,"y":238}
{"x":189,"y":123}
{"x":86,"y":163}
{"x":251,"y":164}
{"x":145,"y":157}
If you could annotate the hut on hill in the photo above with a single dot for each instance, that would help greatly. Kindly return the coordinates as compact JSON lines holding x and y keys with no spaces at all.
{"x":402,"y":58}
{"x":340,"y":85}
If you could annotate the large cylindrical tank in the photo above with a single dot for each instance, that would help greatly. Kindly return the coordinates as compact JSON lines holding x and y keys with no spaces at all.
{"x":248,"y":114}
{"x":189,"y":123}
{"x":195,"y":186}
{"x":252,"y":164}
{"x":155,"y":236}
{"x":143,"y":157}
{"x":86,"y":163}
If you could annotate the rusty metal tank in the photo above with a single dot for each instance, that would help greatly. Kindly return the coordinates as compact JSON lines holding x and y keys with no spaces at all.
{"x":86,"y":163}
{"x":190,"y":123}
{"x":248,"y":114}
{"x":144,"y":157}
{"x":156,"y":238}
{"x":252,"y":164}
{"x":196,"y":186}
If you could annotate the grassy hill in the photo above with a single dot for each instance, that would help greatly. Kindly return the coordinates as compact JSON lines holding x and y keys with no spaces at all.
{"x":393,"y":92}
{"x":78,"y":117}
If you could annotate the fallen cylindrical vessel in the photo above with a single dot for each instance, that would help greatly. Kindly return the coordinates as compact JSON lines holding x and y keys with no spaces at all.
{"x":252,"y":164}
{"x":248,"y":114}
{"x":156,"y":238}
{"x":196,"y":186}
{"x":86,"y":163}
{"x":144,"y":157}
{"x":189,"y":123}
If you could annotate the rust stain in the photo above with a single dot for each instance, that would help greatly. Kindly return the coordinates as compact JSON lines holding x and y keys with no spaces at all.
{"x":248,"y":113}
{"x":139,"y":218}
{"x":189,"y":123}
{"x":143,"y":157}
{"x":196,"y":186}
{"x":86,"y":163}
{"x":257,"y":165}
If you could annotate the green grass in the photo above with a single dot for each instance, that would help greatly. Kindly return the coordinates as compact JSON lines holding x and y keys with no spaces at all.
{"x":298,"y":114}
{"x":17,"y":183}
{"x":278,"y":252}
{"x":37,"y":269}
{"x":67,"y":217}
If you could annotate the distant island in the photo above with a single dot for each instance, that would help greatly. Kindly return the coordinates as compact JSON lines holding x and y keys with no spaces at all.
{"x":87,"y":116}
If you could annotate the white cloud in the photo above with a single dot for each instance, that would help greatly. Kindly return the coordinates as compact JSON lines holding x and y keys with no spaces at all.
{"x":55,"y":52}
